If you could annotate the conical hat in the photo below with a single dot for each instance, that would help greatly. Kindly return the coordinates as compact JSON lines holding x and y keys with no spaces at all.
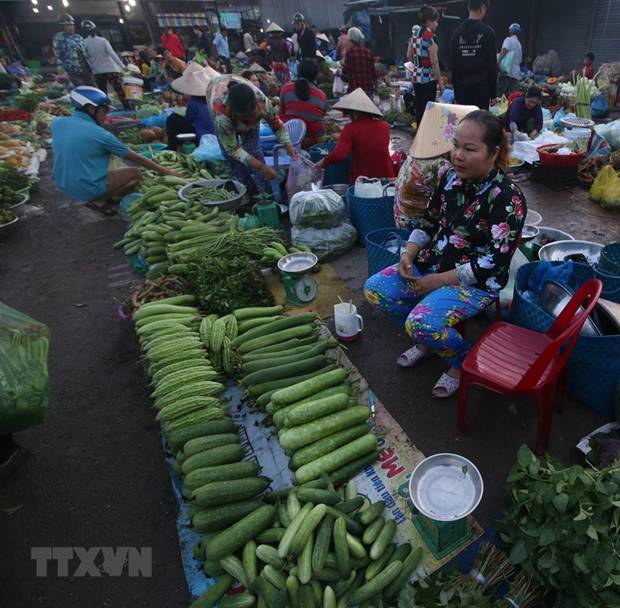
{"x":193,"y":82}
{"x":257,"y":69}
{"x":436,"y":131}
{"x":323,"y":37}
{"x":274,"y":27}
{"x":359,"y":102}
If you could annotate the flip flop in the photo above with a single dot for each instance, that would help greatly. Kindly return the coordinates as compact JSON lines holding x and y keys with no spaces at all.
{"x":446,"y":387}
{"x":411,"y":357}
{"x":105,"y":209}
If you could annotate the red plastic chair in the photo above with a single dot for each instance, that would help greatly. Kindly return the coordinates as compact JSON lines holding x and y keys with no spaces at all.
{"x":512,"y":360}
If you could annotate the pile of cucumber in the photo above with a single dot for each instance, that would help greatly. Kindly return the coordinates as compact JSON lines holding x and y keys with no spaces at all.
{"x":314,"y":546}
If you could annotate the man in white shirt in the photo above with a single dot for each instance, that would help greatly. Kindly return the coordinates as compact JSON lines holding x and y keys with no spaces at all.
{"x":105,"y":63}
{"x":222,"y":48}
{"x":509,"y":62}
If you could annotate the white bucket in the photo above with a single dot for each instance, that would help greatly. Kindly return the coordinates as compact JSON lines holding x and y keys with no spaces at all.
{"x":133,"y":88}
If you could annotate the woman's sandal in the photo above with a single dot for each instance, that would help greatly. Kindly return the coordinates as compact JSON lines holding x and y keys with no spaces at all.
{"x":106,"y":209}
{"x":411,"y":357}
{"x":446,"y":387}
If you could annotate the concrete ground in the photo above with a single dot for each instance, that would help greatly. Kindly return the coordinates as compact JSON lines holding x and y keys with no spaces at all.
{"x":97,"y":476}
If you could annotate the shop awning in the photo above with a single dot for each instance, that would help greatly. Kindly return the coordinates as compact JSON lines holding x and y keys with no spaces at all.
{"x":181,"y":19}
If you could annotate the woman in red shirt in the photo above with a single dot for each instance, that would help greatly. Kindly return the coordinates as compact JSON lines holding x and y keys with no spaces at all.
{"x":301,"y":99}
{"x":366,"y":139}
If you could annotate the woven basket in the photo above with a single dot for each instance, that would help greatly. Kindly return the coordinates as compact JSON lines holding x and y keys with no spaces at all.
{"x":368,"y":214}
{"x":379,"y":257}
{"x":594,"y":365}
{"x":610,"y":259}
{"x":334,"y":174}
{"x":611,"y":285}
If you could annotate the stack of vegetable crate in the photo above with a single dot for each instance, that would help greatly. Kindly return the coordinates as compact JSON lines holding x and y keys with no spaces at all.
{"x":324,"y":548}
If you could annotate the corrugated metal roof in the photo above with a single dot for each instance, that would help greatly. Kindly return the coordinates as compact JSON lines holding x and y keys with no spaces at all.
{"x":606,"y":36}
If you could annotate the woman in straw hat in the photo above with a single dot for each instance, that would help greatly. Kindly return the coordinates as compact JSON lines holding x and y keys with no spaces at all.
{"x":427,"y":162}
{"x":457,"y":259}
{"x":238,"y":107}
{"x":278,"y":53}
{"x":197,"y":119}
{"x":366,"y":139}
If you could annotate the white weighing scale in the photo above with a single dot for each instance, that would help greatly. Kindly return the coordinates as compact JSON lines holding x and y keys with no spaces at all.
{"x":299,"y":286}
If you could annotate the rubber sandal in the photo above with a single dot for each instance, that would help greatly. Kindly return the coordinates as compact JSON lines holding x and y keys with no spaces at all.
{"x":411,"y":357}
{"x":446,"y":387}
{"x":105,"y":209}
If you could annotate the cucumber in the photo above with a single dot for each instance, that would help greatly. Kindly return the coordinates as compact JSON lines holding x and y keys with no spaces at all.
{"x":268,"y":594}
{"x":220,"y":472}
{"x":214,"y":593}
{"x":223,"y":492}
{"x":350,"y":506}
{"x":377,"y":584}
{"x":292,"y":586}
{"x":350,"y":470}
{"x":225,"y":454}
{"x":270,"y":387}
{"x":383,"y":539}
{"x":304,"y":563}
{"x":287,"y":370}
{"x":293,"y":506}
{"x":289,"y":350}
{"x":301,"y":331}
{"x":291,"y":530}
{"x":270,"y":537}
{"x":177,"y":439}
{"x":307,"y":412}
{"x":307,"y":388}
{"x":248,"y":324}
{"x":327,"y":445}
{"x":242,"y":314}
{"x":232,"y":539}
{"x":380,"y":564}
{"x":277,"y":325}
{"x":274,"y":349}
{"x":233,"y":566}
{"x":356,"y":548}
{"x":321,"y":546}
{"x":329,"y":597}
{"x":306,"y":597}
{"x":372,"y":531}
{"x":307,"y":528}
{"x":269,"y":556}
{"x":409,"y":566}
{"x":238,"y":600}
{"x":287,"y":358}
{"x":341,"y":547}
{"x":316,"y":496}
{"x":352,"y":526}
{"x":248,"y":559}
{"x":200,"y":444}
{"x":329,"y":575}
{"x":274,"y":576}
{"x":218,"y":518}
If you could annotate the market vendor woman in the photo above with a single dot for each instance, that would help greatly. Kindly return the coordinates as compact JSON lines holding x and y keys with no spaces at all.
{"x":237,"y":107}
{"x":457,"y":260}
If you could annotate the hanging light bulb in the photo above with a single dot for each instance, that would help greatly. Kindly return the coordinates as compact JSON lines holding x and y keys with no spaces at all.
{"x":121,"y":20}
{"x":127,"y":8}
{"x":65,"y":3}
{"x":35,"y":9}
{"x":35,"y":2}
{"x":50,"y":7}
{"x":132,"y":2}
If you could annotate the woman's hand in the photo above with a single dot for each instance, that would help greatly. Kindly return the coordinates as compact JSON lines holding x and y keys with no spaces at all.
{"x":405,"y":268}
{"x":427,"y":284}
{"x":292,"y":151}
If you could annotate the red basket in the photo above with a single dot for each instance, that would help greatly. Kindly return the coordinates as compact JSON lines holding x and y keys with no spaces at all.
{"x":561,"y":161}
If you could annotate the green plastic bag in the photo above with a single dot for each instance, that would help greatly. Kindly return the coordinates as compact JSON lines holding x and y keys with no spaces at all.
{"x":24,"y":344}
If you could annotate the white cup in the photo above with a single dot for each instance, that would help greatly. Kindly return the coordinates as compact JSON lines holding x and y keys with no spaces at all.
{"x":348,"y":323}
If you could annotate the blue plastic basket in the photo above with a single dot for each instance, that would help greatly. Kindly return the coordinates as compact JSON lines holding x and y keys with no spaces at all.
{"x":368,"y":214}
{"x":594,"y":365}
{"x":334,"y":174}
{"x":379,"y":256}
{"x":611,"y":285}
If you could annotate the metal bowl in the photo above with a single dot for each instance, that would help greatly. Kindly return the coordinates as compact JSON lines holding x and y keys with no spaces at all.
{"x":18,"y":208}
{"x":533,"y":218}
{"x":8,"y":228}
{"x":297,"y":263}
{"x":548,"y":233}
{"x":554,"y":299}
{"x":561,"y":250}
{"x":446,"y":487}
{"x":229,"y":205}
{"x":529,"y":233}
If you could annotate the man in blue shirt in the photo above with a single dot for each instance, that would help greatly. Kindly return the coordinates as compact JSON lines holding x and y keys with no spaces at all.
{"x":223,"y":49}
{"x":82,"y":150}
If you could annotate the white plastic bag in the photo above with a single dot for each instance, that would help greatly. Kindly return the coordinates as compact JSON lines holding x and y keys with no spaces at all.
{"x":611,"y":133}
{"x":302,"y":175}
{"x":338,"y":87}
{"x":316,"y":209}
{"x":366,"y":187}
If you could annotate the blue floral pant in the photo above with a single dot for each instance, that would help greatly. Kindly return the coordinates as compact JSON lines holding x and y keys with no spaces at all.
{"x":431,"y":320}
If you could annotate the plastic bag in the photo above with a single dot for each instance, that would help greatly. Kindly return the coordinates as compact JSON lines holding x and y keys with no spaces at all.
{"x":24,"y":345}
{"x":302,"y":174}
{"x":611,"y":133}
{"x":366,"y":187}
{"x":606,"y":188}
{"x":326,"y":243}
{"x":600,"y":107}
{"x":505,"y":64}
{"x":209,"y":149}
{"x":316,"y":209}
{"x":338,"y":87}
{"x":545,"y":271}
{"x":559,"y":115}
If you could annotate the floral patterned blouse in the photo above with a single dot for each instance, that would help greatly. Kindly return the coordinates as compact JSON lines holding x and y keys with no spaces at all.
{"x":473,"y":227}
{"x":229,"y":129}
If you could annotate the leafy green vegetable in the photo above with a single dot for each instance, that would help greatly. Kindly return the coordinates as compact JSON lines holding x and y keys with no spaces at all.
{"x":562,"y":526}
{"x":29,"y":101}
{"x":12,"y":178}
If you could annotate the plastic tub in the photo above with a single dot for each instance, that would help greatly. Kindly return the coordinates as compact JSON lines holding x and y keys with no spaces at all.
{"x":229,"y":205}
{"x":559,"y":161}
{"x":133,"y":88}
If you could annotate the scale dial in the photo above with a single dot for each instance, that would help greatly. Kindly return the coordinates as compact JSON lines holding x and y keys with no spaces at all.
{"x":305,"y":289}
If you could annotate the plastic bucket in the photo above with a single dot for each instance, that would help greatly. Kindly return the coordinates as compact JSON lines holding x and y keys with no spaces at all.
{"x":133,"y":88}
